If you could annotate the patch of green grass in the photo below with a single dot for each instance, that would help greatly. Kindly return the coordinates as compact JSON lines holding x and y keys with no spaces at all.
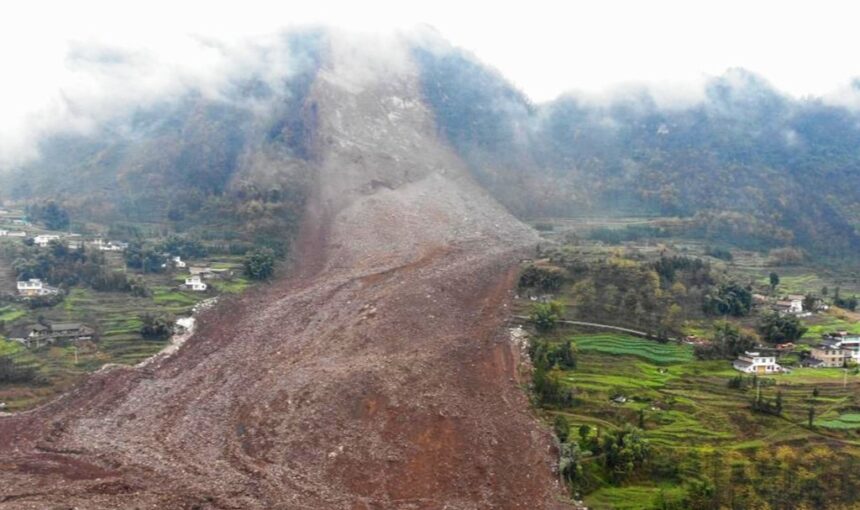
{"x":9,"y":348}
{"x":233,"y":286}
{"x":650,"y":350}
{"x":846,"y":421}
{"x":162,"y":296}
{"x":10,"y":313}
{"x":633,"y":497}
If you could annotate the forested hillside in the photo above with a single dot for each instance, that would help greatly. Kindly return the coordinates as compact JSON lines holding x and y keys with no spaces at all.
{"x":234,"y":163}
{"x":746,"y":165}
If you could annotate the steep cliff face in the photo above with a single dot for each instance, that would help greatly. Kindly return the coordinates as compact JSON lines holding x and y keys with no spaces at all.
{"x":378,"y":375}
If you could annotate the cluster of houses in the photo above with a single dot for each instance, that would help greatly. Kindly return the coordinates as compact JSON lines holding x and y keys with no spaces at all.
{"x":45,"y":334}
{"x":835,"y":350}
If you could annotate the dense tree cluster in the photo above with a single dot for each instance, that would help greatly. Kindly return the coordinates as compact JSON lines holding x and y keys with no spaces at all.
{"x":260,"y":264}
{"x":50,"y":214}
{"x":145,"y":258}
{"x":776,"y":328}
{"x":156,"y":327}
{"x":727,"y":343}
{"x":656,"y":297}
{"x":541,"y":278}
{"x":545,"y":316}
{"x":729,"y":299}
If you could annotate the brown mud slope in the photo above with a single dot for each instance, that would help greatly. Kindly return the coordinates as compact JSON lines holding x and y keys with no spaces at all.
{"x":378,"y":376}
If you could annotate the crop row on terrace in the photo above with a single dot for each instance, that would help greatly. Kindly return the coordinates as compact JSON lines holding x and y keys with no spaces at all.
{"x":625,"y":345}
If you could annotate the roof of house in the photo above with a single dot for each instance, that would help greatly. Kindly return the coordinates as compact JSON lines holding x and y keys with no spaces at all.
{"x":66,"y":326}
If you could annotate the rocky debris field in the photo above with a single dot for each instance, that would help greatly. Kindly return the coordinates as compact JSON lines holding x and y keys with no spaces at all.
{"x":378,"y":374}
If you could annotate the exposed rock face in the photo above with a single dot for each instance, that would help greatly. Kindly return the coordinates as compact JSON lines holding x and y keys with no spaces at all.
{"x":377,"y":376}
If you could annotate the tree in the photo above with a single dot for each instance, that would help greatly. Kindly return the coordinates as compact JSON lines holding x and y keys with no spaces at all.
{"x":543,"y":279}
{"x":155,"y":327}
{"x":624,"y":451}
{"x":810,"y":416}
{"x":584,"y":431}
{"x":546,"y":315}
{"x":569,"y":464}
{"x":728,"y":342}
{"x":774,"y":281}
{"x":561,"y":427}
{"x":847,"y":303}
{"x":144,"y":258}
{"x":775,"y":328}
{"x":50,"y":214}
{"x":729,"y":299}
{"x":809,"y":302}
{"x":701,"y":494}
{"x":260,"y":264}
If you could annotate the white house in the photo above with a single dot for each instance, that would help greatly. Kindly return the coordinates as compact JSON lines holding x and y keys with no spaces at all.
{"x":109,"y":245}
{"x":851,"y":348}
{"x":178,"y":262}
{"x":35,"y":287}
{"x":792,"y":305}
{"x":751,"y":362}
{"x":44,"y":239}
{"x":195,"y":283}
{"x":16,"y":234}
{"x":4,"y":233}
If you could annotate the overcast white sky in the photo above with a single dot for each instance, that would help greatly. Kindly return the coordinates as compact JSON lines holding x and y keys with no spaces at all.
{"x":544,"y":47}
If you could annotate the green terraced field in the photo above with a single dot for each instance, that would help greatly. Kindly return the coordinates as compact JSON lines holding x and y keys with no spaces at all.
{"x":623,"y":345}
{"x":11,"y":313}
{"x":844,"y":421}
{"x":688,"y":407}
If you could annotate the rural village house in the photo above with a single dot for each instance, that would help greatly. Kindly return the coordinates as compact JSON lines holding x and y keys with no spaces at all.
{"x":793,"y":305}
{"x":835,"y":350}
{"x":41,"y":334}
{"x":752,"y":362}
{"x":43,"y":240}
{"x":35,"y":287}
{"x":194,"y":283}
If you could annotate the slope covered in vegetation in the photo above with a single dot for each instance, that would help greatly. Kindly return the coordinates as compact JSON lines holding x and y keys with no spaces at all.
{"x":746,"y":164}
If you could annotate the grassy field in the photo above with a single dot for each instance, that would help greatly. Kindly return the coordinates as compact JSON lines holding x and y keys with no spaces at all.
{"x":638,"y":347}
{"x":688,"y":406}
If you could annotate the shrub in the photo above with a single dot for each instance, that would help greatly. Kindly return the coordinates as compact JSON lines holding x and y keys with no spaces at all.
{"x":260,"y":264}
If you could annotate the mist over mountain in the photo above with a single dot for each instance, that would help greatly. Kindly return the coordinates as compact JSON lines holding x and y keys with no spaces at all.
{"x":745,"y":164}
